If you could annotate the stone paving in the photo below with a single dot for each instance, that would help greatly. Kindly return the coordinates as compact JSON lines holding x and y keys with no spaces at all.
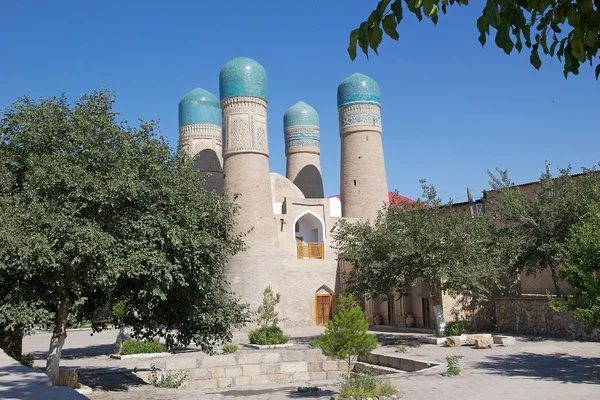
{"x":548,"y":369}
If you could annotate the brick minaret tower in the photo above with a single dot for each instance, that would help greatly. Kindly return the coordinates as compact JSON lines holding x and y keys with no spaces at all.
{"x":301,"y":131}
{"x":200,"y":135}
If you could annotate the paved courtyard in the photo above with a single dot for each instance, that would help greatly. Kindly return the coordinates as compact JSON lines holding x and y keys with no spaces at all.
{"x":546,"y":369}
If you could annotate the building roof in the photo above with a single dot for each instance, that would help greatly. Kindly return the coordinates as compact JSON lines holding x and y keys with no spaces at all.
{"x":199,"y":106}
{"x":358,"y":89}
{"x":243,"y":77}
{"x":300,"y":114}
{"x":394,"y":199}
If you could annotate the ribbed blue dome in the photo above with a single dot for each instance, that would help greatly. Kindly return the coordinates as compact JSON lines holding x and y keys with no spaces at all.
{"x":300,"y":114}
{"x":358,"y":88}
{"x":243,"y":77}
{"x":199,"y":107}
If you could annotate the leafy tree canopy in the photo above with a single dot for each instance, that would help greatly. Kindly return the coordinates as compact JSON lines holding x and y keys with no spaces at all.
{"x":535,"y":225}
{"x":581,"y":270}
{"x":96,"y":212}
{"x":567,"y":29}
{"x":450,"y":251}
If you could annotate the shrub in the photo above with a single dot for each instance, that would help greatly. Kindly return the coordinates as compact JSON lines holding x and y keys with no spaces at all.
{"x":454,"y":328}
{"x":268,"y":336}
{"x":229,"y":348}
{"x":170,"y":380}
{"x":314,"y":343}
{"x":267,"y":316}
{"x":453,"y":368}
{"x":346,"y":337}
{"x":136,"y":347}
{"x":27,"y":360}
{"x":364,"y":386}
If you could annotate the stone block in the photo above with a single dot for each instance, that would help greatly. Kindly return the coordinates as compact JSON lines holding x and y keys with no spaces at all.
{"x":373,"y":359}
{"x":271,"y":358}
{"x":260,"y":380}
{"x":291,"y":367}
{"x":293,"y":356}
{"x":68,"y":377}
{"x":315,"y":366}
{"x":269,"y":369}
{"x":197,"y":374}
{"x":314,"y":355}
{"x":249,"y":358}
{"x":395,"y":362}
{"x":483,"y":343}
{"x":300,"y":376}
{"x":251,"y":370}
{"x":453,"y":341}
{"x":242,"y":381}
{"x":224,"y":382}
{"x":508,"y":341}
{"x":407,"y":365}
{"x":216,"y":373}
{"x":225,"y":360}
{"x":330,"y":366}
{"x":181,"y":363}
{"x":471,"y":338}
{"x":335,"y":374}
{"x":318,"y":376}
{"x":231,"y":372}
{"x":278,"y":378}
{"x":203,"y":384}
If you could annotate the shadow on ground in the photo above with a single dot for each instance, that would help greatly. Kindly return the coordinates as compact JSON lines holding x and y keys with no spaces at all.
{"x":398,"y":340}
{"x":294,"y":394}
{"x":80,"y":352}
{"x":18,"y":382}
{"x":556,"y":367}
{"x":109,"y":379}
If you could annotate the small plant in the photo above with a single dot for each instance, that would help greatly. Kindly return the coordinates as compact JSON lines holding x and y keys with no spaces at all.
{"x":314,"y":343}
{"x":229,"y":348}
{"x":308,"y":389}
{"x":346,"y":337}
{"x":454,"y":328}
{"x":364,"y":386}
{"x":136,"y":347}
{"x":453,"y":367}
{"x":27,"y":360}
{"x":169,"y":380}
{"x":268,"y":336}
{"x":268,"y":333}
{"x":402,"y":349}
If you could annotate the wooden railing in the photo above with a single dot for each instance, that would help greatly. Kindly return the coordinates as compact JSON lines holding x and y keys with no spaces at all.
{"x":310,"y":250}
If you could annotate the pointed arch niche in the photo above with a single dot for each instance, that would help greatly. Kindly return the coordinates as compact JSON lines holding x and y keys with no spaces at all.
{"x":309,"y":235}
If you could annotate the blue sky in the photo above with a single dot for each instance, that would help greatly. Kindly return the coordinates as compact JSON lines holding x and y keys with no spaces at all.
{"x":451,"y":110}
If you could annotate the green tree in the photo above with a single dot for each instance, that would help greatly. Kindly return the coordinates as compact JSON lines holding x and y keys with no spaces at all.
{"x":535,"y":226}
{"x":95,"y":213}
{"x":567,"y":29}
{"x":345,"y":337}
{"x":581,"y":270}
{"x":266,"y":314}
{"x":450,"y":251}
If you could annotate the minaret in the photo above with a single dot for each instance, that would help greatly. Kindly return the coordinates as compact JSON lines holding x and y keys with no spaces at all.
{"x":200,"y":135}
{"x":363,"y":183}
{"x":301,"y":132}
{"x":243,"y":89}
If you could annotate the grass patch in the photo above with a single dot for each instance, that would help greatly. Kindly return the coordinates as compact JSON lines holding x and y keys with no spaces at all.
{"x":136,"y":347}
{"x":169,"y":380}
{"x":367,"y":386}
{"x":315,"y":343}
{"x":229,"y":348}
{"x":268,"y":336}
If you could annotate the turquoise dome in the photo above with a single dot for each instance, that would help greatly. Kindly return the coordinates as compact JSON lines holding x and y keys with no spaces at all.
{"x":199,"y":107}
{"x":300,"y":114}
{"x":243,"y":77}
{"x":358,"y":88}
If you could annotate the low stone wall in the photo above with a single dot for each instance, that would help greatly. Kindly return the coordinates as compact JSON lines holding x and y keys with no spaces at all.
{"x":532,"y":315}
{"x":253,"y":367}
{"x":396,"y":362}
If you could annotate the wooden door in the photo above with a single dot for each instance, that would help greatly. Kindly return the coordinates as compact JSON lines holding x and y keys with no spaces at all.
{"x":323,"y":311}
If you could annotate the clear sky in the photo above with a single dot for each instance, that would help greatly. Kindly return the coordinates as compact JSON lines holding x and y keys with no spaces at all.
{"x":451,"y":110}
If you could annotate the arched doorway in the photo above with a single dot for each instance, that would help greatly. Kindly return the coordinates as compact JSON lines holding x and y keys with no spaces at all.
{"x":323,"y":303}
{"x":309,"y":236}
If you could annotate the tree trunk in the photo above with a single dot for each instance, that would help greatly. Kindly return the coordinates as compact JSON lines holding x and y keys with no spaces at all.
{"x":435,"y":295}
{"x":554,"y":274}
{"x":57,"y":341}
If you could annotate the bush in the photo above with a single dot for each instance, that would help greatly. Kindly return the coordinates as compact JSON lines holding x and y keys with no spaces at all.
{"x":170,"y":380}
{"x":363,"y":386}
{"x":315,"y":343}
{"x":136,"y":347}
{"x":268,"y":336}
{"x":27,"y":360}
{"x":453,"y":367}
{"x":229,"y":348}
{"x":454,"y":328}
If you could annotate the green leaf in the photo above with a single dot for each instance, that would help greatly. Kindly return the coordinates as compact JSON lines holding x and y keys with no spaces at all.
{"x":503,"y":39}
{"x":483,"y":27}
{"x":389,"y":26}
{"x":363,"y":38}
{"x":396,"y":8}
{"x":375,"y":37}
{"x":527,"y":35}
{"x":597,"y":71}
{"x":534,"y":59}
{"x":491,"y":14}
{"x":352,"y":46}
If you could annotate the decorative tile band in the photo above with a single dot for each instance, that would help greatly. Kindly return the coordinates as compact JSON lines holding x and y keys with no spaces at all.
{"x":356,"y":116}
{"x":244,"y":125}
{"x":200,"y":131}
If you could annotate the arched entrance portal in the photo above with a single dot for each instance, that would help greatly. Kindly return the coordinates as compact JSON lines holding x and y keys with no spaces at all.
{"x":309,"y":236}
{"x":323,"y":302}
